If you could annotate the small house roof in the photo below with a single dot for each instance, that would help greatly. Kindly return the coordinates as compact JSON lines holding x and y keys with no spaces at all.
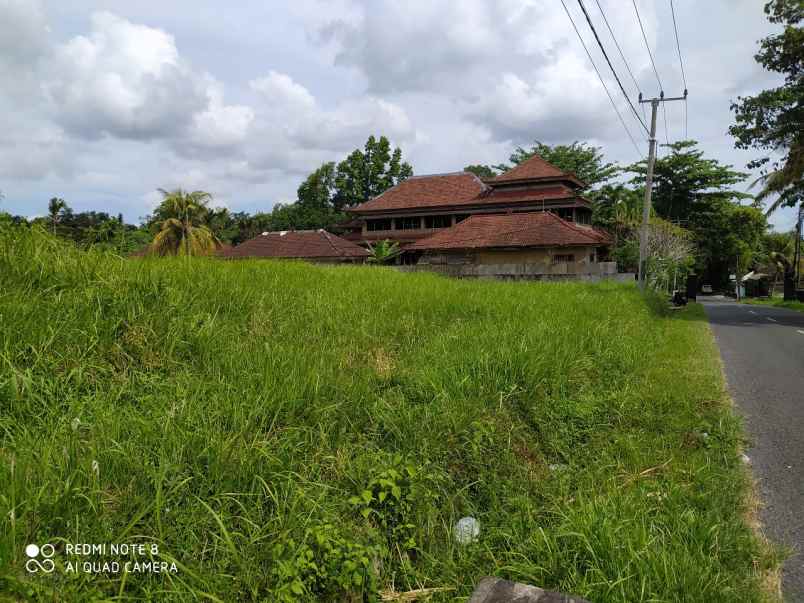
{"x":296,"y":244}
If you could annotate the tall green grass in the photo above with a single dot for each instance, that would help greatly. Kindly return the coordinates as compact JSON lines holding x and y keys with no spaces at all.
{"x":293,"y":432}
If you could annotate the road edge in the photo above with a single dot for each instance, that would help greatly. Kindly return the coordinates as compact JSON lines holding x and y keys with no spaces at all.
{"x":770,"y":579}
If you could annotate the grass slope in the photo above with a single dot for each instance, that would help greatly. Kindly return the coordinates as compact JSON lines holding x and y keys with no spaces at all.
{"x":291,"y":432}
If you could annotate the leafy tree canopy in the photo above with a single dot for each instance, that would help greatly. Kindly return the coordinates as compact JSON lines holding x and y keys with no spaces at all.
{"x":773,"y":120}
{"x":699,"y":194}
{"x":365,"y":174}
{"x":324,"y":194}
{"x":683,"y":179}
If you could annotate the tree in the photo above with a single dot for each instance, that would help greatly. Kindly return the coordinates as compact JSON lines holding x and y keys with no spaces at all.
{"x":698,"y":194}
{"x":56,"y":208}
{"x":383,"y":252}
{"x":481,"y":171}
{"x":365,"y":174}
{"x":773,"y":120}
{"x":669,"y":253}
{"x":683,"y":179}
{"x":183,"y":230}
{"x":580,"y":158}
{"x":332,"y":187}
{"x":777,"y":257}
{"x":618,"y":209}
{"x":318,"y":191}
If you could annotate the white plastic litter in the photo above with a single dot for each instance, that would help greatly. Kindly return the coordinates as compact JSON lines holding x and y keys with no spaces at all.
{"x":467,"y":530}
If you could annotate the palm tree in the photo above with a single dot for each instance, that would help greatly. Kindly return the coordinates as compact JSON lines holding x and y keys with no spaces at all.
{"x":54,"y":208}
{"x":383,"y":252}
{"x":785,"y":182}
{"x":183,"y":230}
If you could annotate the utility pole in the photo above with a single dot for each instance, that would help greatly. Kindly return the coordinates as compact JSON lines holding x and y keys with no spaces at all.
{"x":797,"y":255}
{"x":643,"y":235}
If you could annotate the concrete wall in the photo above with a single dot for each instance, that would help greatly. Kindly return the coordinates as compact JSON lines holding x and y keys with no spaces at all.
{"x":590,"y":272}
{"x":517,"y":261}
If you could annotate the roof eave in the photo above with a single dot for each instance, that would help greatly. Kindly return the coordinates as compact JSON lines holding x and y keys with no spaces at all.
{"x":481,"y":204}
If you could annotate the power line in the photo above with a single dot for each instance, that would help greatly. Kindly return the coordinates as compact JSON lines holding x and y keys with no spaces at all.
{"x":614,"y":72}
{"x":681,"y":63}
{"x":678,"y":46}
{"x":650,"y":54}
{"x":655,"y":71}
{"x":622,"y":56}
{"x":613,"y":104}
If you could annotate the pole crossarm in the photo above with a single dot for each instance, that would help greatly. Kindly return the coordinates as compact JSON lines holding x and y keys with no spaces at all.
{"x":663,"y":99}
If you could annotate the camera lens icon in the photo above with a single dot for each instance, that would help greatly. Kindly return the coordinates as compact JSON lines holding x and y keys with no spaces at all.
{"x":33,"y":565}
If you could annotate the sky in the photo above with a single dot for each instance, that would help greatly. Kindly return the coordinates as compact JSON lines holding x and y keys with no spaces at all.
{"x":103,"y":102}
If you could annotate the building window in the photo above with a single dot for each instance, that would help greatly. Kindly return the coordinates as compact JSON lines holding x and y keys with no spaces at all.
{"x":583,"y":217}
{"x":437,"y":221}
{"x":408,"y":223}
{"x":561,"y":258}
{"x":565,"y":213}
{"x":373,"y":225}
{"x":461,"y":218}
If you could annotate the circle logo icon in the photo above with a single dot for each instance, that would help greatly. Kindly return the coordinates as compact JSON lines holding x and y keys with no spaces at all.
{"x":34,"y":565}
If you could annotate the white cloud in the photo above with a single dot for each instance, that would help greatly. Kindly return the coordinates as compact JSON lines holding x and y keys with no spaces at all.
{"x":514,"y":66}
{"x":23,"y":33}
{"x":219,"y":125}
{"x":105,"y":106}
{"x":284,"y":94}
{"x":124,"y":80}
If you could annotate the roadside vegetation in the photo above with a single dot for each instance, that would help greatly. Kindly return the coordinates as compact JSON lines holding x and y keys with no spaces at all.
{"x":777,"y":302}
{"x":293,"y":432}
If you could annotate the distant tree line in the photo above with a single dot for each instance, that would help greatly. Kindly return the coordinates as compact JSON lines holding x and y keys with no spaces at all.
{"x":696,"y":206}
{"x":186,"y":222}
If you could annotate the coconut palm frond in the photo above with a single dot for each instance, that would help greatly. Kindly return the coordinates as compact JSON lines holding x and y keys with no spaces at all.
{"x":183,"y":230}
{"x":781,"y":181}
{"x":201,"y":241}
{"x":169,"y":238}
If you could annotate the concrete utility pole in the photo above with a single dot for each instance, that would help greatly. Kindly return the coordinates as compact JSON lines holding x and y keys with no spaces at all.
{"x":643,"y":235}
{"x":797,"y":255}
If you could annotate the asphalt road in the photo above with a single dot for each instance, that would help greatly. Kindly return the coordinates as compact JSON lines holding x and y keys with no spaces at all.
{"x":763,"y":354}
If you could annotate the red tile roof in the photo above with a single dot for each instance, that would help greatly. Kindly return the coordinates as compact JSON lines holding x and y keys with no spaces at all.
{"x":535,"y":167}
{"x":296,"y":244}
{"x":533,"y":229}
{"x":427,"y":191}
{"x":518,"y":195}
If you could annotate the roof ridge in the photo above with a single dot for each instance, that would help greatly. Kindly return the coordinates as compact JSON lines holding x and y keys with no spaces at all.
{"x":457,"y":173}
{"x":329,"y":240}
{"x":534,"y":160}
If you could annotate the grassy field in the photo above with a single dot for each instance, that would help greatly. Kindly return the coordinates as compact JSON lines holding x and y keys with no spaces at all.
{"x":290,"y":432}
